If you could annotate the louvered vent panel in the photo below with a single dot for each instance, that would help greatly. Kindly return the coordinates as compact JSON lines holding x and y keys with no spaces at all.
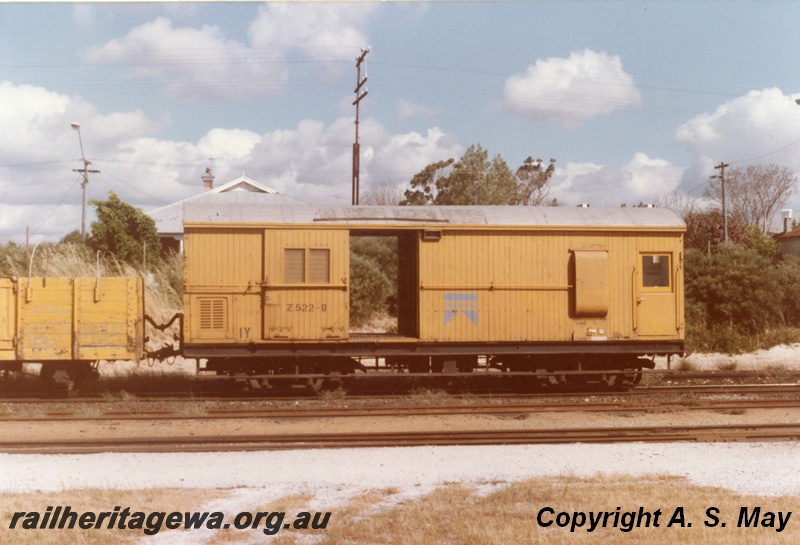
{"x":212,"y":314}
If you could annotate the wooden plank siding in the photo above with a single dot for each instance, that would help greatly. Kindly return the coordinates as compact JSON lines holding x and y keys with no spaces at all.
{"x":473,"y":283}
{"x":63,"y":319}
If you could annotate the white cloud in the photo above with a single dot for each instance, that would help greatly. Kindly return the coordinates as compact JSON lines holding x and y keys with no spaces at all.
{"x":313,"y":162}
{"x":231,"y":143}
{"x":195,"y":63}
{"x":204,"y":64}
{"x":569,"y":91}
{"x":642,"y":179}
{"x":28,"y":113}
{"x":762,"y":126}
{"x":325,"y":32}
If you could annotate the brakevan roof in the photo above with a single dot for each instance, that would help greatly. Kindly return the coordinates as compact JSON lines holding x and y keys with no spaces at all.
{"x":549,"y":216}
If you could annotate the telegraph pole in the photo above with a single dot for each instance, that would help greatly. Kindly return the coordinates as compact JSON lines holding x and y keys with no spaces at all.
{"x":359,"y":96}
{"x":721,"y":176}
{"x":85,"y":171}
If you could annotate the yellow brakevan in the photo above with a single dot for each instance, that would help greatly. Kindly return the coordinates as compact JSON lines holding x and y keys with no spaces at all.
{"x":519,"y":285}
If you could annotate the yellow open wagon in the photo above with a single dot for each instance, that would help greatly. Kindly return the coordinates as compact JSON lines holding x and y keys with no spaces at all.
{"x":69,"y":324}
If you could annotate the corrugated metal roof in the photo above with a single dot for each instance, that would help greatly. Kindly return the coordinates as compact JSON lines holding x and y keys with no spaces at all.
{"x":248,"y":212}
{"x":169,"y":219}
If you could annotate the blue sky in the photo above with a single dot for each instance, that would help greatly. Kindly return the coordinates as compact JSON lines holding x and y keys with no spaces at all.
{"x":635,"y":100}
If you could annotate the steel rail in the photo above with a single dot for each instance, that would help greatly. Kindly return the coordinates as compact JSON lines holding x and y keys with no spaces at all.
{"x":651,"y":434}
{"x":188,"y":397}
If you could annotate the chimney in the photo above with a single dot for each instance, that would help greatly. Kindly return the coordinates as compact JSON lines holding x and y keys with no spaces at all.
{"x":208,"y":180}
{"x":787,"y":216}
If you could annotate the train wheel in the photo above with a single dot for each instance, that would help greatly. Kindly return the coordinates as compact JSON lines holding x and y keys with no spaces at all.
{"x":66,"y":379}
{"x":331,"y":382}
{"x":57,"y":381}
{"x":623,"y":381}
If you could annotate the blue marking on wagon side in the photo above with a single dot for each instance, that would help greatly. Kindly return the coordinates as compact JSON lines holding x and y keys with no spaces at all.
{"x":465,"y":303}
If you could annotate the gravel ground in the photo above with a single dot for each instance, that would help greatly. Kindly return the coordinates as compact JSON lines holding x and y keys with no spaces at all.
{"x":761,"y":468}
{"x":332,"y":477}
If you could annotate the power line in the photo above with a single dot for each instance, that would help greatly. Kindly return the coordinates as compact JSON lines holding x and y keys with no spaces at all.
{"x":63,"y":198}
{"x":120,"y":180}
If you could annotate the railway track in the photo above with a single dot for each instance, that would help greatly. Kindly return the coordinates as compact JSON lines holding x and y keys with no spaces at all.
{"x":421,"y":410}
{"x":188,"y":397}
{"x":707,"y":433}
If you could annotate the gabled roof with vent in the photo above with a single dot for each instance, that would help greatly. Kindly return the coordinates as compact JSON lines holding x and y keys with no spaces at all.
{"x":238,"y":192}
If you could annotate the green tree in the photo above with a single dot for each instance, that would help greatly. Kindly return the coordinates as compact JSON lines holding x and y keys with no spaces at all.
{"x":476,"y":180}
{"x":704,"y":230}
{"x":765,"y":245}
{"x":125,"y":232}
{"x":73,"y":237}
{"x":533,"y":182}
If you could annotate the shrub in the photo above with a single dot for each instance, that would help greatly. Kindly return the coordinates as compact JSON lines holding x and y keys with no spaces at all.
{"x":125,"y":232}
{"x":368,"y":289}
{"x":737,"y":287}
{"x":365,"y":293}
{"x":788,"y":273}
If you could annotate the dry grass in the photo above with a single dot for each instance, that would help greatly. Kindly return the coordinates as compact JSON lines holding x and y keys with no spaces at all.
{"x":96,"y":500}
{"x":290,"y":505}
{"x":426,"y":396}
{"x":456,"y":514}
{"x":778,"y":373}
{"x":728,"y":366}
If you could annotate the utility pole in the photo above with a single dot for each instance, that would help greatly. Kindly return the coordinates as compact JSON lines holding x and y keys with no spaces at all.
{"x":721,"y":176}
{"x":359,"y":96}
{"x":85,"y":171}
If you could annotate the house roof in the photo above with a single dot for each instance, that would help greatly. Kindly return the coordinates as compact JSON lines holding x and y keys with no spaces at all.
{"x":794,"y":233}
{"x":243,"y":183}
{"x":242,"y":190}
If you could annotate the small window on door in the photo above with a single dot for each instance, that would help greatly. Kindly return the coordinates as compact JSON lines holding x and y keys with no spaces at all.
{"x":294,"y":262}
{"x":656,"y":271}
{"x":303,"y":266}
{"x":319,"y":266}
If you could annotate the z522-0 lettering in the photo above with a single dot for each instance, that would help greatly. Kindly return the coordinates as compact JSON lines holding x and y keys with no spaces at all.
{"x":306,"y":307}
